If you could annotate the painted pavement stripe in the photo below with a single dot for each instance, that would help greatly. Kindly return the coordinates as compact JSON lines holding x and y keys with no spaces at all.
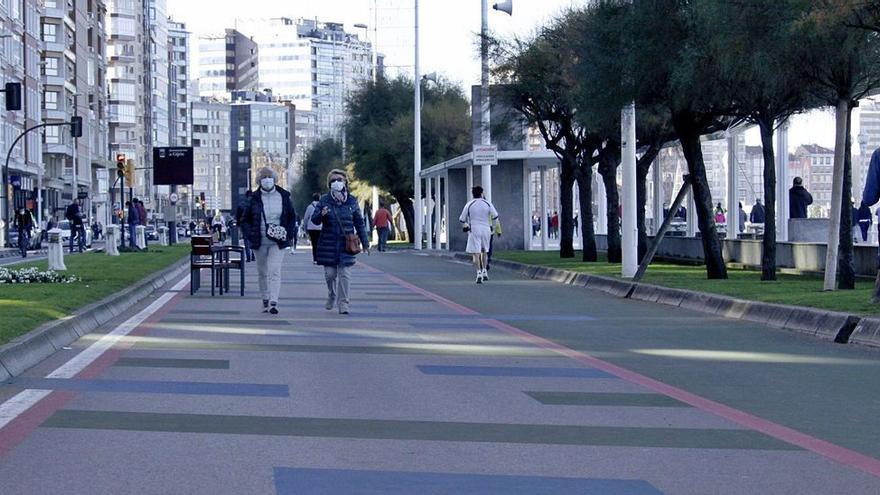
{"x":202,"y":312}
{"x":143,"y":362}
{"x":604,"y":399}
{"x":289,"y":481}
{"x":821,"y":447}
{"x":209,"y":321}
{"x":396,"y":348}
{"x":688,"y":438}
{"x":24,"y":400}
{"x":513,"y":371}
{"x":440,"y":325}
{"x":156,"y":387}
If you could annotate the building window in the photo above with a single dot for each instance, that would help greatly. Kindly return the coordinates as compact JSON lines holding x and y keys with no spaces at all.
{"x":51,"y":100}
{"x":53,"y":136}
{"x":50,"y":33}
{"x":50,"y":68}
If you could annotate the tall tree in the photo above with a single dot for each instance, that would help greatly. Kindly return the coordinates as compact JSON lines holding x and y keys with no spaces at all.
{"x":537,"y":83}
{"x":671,"y":66}
{"x":380,"y":134}
{"x":843,"y":63}
{"x":754,"y":44}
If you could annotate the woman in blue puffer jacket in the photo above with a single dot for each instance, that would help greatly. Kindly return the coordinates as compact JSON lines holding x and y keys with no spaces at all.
{"x":338,"y":214}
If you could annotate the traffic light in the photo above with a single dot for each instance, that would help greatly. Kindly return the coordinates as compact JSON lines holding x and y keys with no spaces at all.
{"x":120,"y":164}
{"x":13,"y":96}
{"x":202,"y":198}
{"x":129,"y":172}
{"x":76,"y":127}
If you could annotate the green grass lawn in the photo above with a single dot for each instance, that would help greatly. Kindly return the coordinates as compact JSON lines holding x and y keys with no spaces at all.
{"x":798,"y":290}
{"x":25,"y":307}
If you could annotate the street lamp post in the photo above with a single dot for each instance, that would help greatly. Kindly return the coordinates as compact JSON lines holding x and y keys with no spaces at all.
{"x":417,"y":146}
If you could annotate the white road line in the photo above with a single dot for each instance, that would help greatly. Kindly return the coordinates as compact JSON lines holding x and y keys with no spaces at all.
{"x":25,"y":399}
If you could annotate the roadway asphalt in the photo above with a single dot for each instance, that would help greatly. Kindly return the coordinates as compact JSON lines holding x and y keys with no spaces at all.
{"x":434,"y":384}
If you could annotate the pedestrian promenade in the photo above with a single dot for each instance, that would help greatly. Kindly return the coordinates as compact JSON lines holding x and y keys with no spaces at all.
{"x":431,"y":385}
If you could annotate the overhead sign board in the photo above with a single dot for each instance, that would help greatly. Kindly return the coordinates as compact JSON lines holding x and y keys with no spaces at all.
{"x":172,"y":165}
{"x":485,"y":155}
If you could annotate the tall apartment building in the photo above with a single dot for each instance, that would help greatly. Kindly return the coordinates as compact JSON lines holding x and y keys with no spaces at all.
{"x":158,"y":72}
{"x":19,"y":62}
{"x":211,"y":153}
{"x":818,"y":164}
{"x":127,"y":84}
{"x":179,"y":96}
{"x":227,"y":63}
{"x":262,"y":133}
{"x":315,"y":65}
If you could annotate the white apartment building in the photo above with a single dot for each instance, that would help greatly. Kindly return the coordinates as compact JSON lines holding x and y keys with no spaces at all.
{"x":179,"y":96}
{"x":227,"y":63}
{"x":211,"y":153}
{"x":315,"y":65}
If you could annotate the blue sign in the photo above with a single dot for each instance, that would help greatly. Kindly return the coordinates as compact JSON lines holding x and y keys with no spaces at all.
{"x":15,"y":180}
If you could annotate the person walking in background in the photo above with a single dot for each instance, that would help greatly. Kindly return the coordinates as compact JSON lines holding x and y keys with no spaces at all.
{"x":269,"y":222}
{"x":239,"y":214}
{"x":339,"y":216}
{"x":871,"y":193}
{"x":798,"y":199}
{"x":24,"y":223}
{"x":865,"y":219}
{"x":313,"y":229}
{"x":757,"y":215}
{"x":742,"y":217}
{"x":368,"y":218}
{"x":134,"y":220}
{"x":382,"y":221}
{"x":477,"y":217}
{"x":720,"y":216}
{"x":554,"y":224}
{"x":142,"y":211}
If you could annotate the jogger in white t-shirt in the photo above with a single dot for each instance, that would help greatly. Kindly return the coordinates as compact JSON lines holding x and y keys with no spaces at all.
{"x":477,"y":218}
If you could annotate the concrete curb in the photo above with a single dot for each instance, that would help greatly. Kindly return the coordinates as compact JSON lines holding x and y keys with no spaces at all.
{"x":29,"y":349}
{"x":821,"y":324}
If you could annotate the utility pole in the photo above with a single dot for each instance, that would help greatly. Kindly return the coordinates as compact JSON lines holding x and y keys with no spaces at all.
{"x":417,"y":148}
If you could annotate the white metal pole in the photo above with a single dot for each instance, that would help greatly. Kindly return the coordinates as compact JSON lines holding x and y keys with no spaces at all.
{"x":375,"y":203}
{"x":601,"y":206}
{"x":782,"y":182}
{"x":657,"y":175}
{"x":438,"y":198}
{"x":732,"y":186}
{"x":630,"y":234}
{"x":417,"y":148}
{"x":485,"y":135}
{"x":429,"y":209}
{"x":545,"y":225}
{"x":446,"y":208}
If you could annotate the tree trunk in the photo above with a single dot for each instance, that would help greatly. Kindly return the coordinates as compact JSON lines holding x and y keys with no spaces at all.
{"x":566,"y":197}
{"x":693,"y":153}
{"x":875,"y":298}
{"x":847,"y":278}
{"x":643,"y":167}
{"x":768,"y":256}
{"x":406,"y":206}
{"x":609,"y":160}
{"x":584,"y":178}
{"x":836,"y":193}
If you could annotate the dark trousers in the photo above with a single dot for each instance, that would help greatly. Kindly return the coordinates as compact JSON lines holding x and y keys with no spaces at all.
{"x":132,"y":236}
{"x":78,"y":233}
{"x":383,"y":237}
{"x":313,"y":238}
{"x":248,"y":252}
{"x":24,"y":240}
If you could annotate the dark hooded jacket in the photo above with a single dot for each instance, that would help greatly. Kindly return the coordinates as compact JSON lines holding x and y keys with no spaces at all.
{"x":253,"y":226}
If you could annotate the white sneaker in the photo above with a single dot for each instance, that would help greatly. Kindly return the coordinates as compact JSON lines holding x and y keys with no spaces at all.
{"x":485,"y":275}
{"x":479,"y":277}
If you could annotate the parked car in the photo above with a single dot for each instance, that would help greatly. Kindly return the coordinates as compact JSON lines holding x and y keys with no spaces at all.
{"x":151,"y":233}
{"x":64,"y":225}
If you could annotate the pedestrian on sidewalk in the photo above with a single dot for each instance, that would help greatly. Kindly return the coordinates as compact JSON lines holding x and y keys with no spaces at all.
{"x":134,"y":219}
{"x":798,"y":199}
{"x":340,"y":220}
{"x":142,"y":215}
{"x":476,"y":218}
{"x":239,"y":213}
{"x":24,"y":222}
{"x":313,"y":229}
{"x":496,"y":232}
{"x":382,"y":221}
{"x":269,"y":223}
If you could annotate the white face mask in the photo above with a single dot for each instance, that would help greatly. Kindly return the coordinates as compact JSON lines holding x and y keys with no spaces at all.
{"x":337,"y":185}
{"x":267,"y":183}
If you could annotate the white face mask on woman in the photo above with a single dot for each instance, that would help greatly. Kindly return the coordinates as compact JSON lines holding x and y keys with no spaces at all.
{"x":267,"y":183}
{"x":337,"y":185}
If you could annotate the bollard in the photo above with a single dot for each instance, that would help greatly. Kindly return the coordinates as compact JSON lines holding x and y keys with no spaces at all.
{"x":141,"y":237}
{"x":111,"y":242}
{"x":56,"y":251}
{"x":163,"y":236}
{"x":233,"y":233}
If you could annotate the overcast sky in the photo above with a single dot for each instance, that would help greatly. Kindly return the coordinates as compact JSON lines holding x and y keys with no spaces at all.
{"x":448,"y":35}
